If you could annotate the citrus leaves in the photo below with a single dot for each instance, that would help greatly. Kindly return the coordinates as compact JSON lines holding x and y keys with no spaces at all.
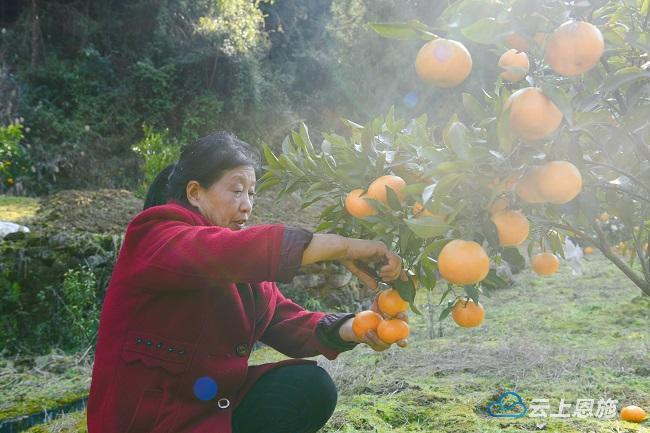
{"x":404,"y":31}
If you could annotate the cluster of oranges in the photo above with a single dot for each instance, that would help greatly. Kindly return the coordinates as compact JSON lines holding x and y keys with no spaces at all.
{"x":388,"y":330}
{"x":356,"y":204}
{"x":572,"y":49}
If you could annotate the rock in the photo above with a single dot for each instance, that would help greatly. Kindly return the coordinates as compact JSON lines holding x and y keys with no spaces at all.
{"x":7,"y":227}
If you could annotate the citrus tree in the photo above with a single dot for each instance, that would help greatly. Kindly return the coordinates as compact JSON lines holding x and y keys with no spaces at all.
{"x":551,"y":139}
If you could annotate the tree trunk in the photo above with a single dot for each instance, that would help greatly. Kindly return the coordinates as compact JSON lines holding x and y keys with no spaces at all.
{"x":36,"y":35}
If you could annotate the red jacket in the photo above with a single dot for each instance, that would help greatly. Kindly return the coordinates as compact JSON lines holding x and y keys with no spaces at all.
{"x":185,"y":304}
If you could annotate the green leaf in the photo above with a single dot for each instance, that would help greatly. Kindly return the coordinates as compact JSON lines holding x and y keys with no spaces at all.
{"x":640,"y":40}
{"x":493,"y":281}
{"x":503,"y":133}
{"x":427,"y":227}
{"x":393,"y":201}
{"x":514,"y":258}
{"x":325,"y":225}
{"x":270,"y":157}
{"x":622,"y":77}
{"x":473,"y":292}
{"x":556,"y":241}
{"x":473,"y":107}
{"x":403,"y":30}
{"x":486,"y":31}
{"x":406,"y":290}
{"x":446,"y":311}
{"x":455,"y":138}
{"x":560,"y":99}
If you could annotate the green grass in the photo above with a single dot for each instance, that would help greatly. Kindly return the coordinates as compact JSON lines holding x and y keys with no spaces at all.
{"x":17,"y":209}
{"x":556,"y":337}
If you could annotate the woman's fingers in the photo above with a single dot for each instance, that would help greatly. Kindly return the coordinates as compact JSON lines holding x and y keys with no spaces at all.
{"x":393,"y":269}
{"x":373,"y":340}
{"x":402,"y":316}
{"x":403,"y":343}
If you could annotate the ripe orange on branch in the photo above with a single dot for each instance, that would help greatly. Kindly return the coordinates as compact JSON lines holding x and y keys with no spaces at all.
{"x":545,"y":264}
{"x":516,"y":65}
{"x":357,"y":206}
{"x":527,"y":187}
{"x":365,"y":321}
{"x":533,"y":116}
{"x":443,"y":63}
{"x":463,"y":262}
{"x":499,"y":205}
{"x":574,"y":48}
{"x":468,"y":314}
{"x":512,"y":227}
{"x":391,"y":303}
{"x":559,"y":181}
{"x":393,"y":330}
{"x":377,"y":189}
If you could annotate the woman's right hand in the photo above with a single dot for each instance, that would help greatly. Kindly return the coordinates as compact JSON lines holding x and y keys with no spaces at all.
{"x":369,"y":251}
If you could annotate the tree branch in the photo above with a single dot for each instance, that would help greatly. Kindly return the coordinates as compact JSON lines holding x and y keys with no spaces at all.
{"x":605,"y":248}
{"x":615,"y":188}
{"x":620,"y":171}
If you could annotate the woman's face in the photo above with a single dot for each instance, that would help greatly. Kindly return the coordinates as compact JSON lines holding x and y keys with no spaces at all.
{"x":228,"y":202}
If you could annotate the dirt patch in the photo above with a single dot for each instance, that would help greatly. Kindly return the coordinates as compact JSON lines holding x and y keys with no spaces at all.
{"x":100,"y":211}
{"x":110,"y":210}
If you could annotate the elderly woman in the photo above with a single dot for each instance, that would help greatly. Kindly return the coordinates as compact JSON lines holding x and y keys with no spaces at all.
{"x":193,"y":290}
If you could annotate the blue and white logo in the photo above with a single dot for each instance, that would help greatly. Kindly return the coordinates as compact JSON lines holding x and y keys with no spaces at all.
{"x":509,"y":405}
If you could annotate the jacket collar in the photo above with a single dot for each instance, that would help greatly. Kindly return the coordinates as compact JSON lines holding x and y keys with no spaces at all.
{"x":197,"y":216}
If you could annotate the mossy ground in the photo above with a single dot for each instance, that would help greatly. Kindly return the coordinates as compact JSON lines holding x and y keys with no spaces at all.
{"x":17,"y":209}
{"x":558,"y":337}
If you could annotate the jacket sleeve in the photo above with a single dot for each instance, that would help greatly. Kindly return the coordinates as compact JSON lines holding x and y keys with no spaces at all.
{"x":298,"y":333}
{"x":172,"y":254}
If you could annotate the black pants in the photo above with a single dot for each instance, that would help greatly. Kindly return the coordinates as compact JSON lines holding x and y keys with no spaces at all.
{"x":290,"y":399}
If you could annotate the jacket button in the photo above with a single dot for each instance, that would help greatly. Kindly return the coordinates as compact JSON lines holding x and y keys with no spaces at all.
{"x":159,"y":345}
{"x":170,"y":349}
{"x":138,"y":340}
{"x":241,"y":350}
{"x":149,"y":343}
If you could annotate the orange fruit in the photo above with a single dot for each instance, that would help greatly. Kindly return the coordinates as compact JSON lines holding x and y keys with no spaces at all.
{"x":419,"y":210}
{"x":468,"y":314}
{"x":604,"y":217}
{"x":443,"y":63}
{"x":357,"y":206}
{"x":545,"y":264}
{"x":559,"y":182}
{"x":512,"y":227}
{"x":540,"y":38}
{"x":574,"y":48}
{"x":377,"y":189}
{"x":393,"y":330}
{"x":391,"y":303}
{"x":532,"y":115}
{"x":633,"y":414}
{"x":516,"y":41}
{"x":365,"y":321}
{"x":499,"y":205}
{"x":516,"y":65}
{"x":504,"y":185}
{"x":589,"y":250}
{"x":463,"y":262}
{"x":527,"y":186}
